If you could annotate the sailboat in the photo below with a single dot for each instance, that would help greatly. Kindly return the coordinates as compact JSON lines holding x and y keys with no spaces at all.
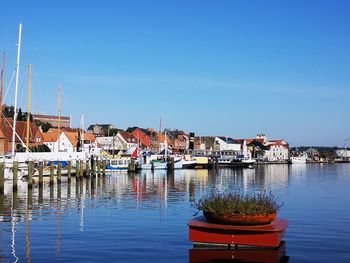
{"x":162,"y":164}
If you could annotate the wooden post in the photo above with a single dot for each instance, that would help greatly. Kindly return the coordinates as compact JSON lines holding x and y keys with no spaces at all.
{"x":52,"y":171}
{"x":69,"y":170}
{"x":87,"y":168}
{"x":98,"y":166}
{"x":59,"y":172}
{"x":15,"y":175}
{"x":104,"y":166}
{"x":2,"y":177}
{"x":94,"y":166}
{"x":30,"y":173}
{"x":82,"y":168}
{"x":41,"y":173}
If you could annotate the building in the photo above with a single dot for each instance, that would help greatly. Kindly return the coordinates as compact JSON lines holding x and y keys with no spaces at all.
{"x":147,"y":138}
{"x":122,"y":141}
{"x":262,"y":148}
{"x":178,"y":140}
{"x":35,"y":135}
{"x":226,"y":144}
{"x":64,"y":141}
{"x":52,"y":119}
{"x":100,"y":129}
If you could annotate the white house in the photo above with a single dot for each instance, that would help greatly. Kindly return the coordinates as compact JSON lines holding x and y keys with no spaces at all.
{"x":120,"y":142}
{"x":279,"y":150}
{"x":63,"y":141}
{"x":342,"y":153}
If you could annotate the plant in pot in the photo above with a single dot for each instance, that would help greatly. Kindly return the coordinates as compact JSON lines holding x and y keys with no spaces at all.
{"x":239,"y":209}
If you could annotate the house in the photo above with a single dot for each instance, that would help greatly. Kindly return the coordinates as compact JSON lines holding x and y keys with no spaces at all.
{"x":65,"y":141}
{"x":35,"y":135}
{"x":262,"y":148}
{"x":148,"y":138}
{"x":279,"y":150}
{"x":100,"y":129}
{"x":52,"y":119}
{"x":127,"y":139}
{"x":204,"y":143}
{"x":179,"y":140}
{"x":120,"y":142}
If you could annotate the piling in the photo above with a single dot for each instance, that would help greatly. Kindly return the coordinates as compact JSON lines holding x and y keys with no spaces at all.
{"x":77,"y":166}
{"x":87,"y":168}
{"x":59,"y":172}
{"x":104,"y":167}
{"x":41,"y":194}
{"x":41,"y":173}
{"x":69,"y":170}
{"x":93,"y":166}
{"x":81,"y":168}
{"x":172,"y":163}
{"x":30,"y":173}
{"x":2,"y":177}
{"x":52,"y":171}
{"x":98,"y":166}
{"x":15,"y":175}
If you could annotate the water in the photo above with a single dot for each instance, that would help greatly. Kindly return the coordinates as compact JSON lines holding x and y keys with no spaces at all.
{"x":140,"y":218}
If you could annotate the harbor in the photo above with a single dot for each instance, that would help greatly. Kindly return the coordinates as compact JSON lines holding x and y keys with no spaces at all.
{"x":174,"y":131}
{"x":147,"y":213}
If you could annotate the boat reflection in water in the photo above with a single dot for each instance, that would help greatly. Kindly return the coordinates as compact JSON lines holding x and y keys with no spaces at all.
{"x":261,"y":255}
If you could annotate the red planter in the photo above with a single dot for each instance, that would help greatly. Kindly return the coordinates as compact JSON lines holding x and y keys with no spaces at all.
{"x":243,"y":220}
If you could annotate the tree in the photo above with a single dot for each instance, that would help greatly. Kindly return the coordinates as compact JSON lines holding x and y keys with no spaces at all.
{"x":46,"y":126}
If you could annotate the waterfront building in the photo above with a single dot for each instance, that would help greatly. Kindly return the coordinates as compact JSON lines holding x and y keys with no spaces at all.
{"x":65,"y":141}
{"x":52,"y":119}
{"x":262,"y":148}
{"x":100,"y":129}
{"x":35,"y":135}
{"x":122,"y":141}
{"x":226,"y":144}
{"x":178,"y":140}
{"x":147,"y":138}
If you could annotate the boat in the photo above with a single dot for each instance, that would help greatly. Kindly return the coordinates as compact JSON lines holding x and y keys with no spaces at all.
{"x":235,"y":161}
{"x":159,"y":165}
{"x":298,"y":159}
{"x":182,"y":163}
{"x":118,"y":164}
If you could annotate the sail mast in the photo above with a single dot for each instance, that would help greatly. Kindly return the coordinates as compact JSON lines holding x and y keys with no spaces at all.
{"x":59,"y":114}
{"x":28,"y":112}
{"x":16,"y":89}
{"x":2,"y":83}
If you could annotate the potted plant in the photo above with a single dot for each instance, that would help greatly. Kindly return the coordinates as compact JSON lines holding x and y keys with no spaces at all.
{"x":239,"y":209}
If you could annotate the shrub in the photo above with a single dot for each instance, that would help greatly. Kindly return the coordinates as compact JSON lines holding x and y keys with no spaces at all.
{"x":239,"y":204}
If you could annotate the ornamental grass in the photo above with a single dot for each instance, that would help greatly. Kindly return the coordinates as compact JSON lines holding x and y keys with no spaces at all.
{"x":239,"y":204}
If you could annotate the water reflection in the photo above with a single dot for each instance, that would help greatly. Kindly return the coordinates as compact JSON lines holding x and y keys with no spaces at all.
{"x":147,"y":191}
{"x":202,"y":255}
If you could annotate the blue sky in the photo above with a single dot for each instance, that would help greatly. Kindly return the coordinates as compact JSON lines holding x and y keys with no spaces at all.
{"x":234,"y":68}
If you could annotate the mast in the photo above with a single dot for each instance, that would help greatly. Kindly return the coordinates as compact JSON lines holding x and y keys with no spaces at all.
{"x":16,"y":90}
{"x":2,"y":83}
{"x":28,"y":112}
{"x":59,"y":114}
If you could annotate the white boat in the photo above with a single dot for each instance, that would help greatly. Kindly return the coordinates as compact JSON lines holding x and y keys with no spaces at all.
{"x":160,"y":165}
{"x":119,"y":164}
{"x":298,"y":159}
{"x":180,"y":163}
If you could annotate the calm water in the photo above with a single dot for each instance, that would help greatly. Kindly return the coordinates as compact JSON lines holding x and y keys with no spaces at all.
{"x":140,"y":218}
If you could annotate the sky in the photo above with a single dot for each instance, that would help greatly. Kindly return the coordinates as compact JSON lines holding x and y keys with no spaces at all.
{"x":228,"y":68}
